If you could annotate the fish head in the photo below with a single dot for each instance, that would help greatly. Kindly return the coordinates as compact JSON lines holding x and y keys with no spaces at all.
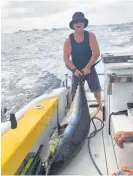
{"x":56,"y":161}
{"x":55,"y":165}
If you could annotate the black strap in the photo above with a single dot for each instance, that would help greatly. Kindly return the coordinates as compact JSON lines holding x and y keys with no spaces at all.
{"x":86,"y":39}
{"x":71,"y":36}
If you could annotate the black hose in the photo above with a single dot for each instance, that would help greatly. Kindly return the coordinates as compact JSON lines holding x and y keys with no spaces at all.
{"x":91,"y":136}
{"x":115,"y":113}
{"x":92,"y":159}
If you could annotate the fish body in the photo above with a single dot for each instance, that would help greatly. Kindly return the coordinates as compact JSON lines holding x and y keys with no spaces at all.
{"x":68,"y":140}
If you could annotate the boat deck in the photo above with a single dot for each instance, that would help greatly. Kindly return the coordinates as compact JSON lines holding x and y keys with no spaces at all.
{"x":102,"y":151}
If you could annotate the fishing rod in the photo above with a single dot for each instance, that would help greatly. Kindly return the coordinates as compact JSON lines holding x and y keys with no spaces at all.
{"x":91,"y":66}
{"x":96,"y":63}
{"x":35,"y":163}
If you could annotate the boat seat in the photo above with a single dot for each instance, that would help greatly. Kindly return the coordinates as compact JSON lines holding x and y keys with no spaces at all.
{"x":124,"y":156}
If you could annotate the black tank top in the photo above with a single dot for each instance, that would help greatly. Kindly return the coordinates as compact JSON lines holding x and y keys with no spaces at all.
{"x":81,"y":52}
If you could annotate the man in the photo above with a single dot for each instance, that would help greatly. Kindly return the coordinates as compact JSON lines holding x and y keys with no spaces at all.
{"x":84,"y":50}
{"x":123,"y":136}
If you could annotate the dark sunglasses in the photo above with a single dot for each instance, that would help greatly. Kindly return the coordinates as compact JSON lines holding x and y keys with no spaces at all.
{"x":78,"y":21}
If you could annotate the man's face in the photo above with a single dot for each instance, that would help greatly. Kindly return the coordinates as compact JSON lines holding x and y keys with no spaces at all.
{"x":78,"y":25}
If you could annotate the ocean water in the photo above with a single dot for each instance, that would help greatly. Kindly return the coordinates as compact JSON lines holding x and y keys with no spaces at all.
{"x":33,"y":34}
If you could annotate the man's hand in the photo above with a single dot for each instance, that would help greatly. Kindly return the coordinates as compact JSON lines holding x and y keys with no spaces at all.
{"x":122,"y":136}
{"x":77,"y":73}
{"x":86,"y":70}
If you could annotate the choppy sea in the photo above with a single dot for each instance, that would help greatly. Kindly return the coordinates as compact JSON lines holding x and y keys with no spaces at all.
{"x":32,"y":52}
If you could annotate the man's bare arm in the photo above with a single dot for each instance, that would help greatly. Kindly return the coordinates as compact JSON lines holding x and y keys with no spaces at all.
{"x":67,"y":53}
{"x":95,"y":49}
{"x":123,"y":136}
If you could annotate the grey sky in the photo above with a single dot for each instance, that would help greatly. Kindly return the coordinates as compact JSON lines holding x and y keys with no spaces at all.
{"x":21,"y":9}
{"x":56,"y":14}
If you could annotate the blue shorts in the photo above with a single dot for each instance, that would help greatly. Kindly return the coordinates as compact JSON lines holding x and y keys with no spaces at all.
{"x":92,"y":81}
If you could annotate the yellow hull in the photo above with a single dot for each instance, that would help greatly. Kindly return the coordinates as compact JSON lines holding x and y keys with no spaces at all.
{"x":17,"y":143}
